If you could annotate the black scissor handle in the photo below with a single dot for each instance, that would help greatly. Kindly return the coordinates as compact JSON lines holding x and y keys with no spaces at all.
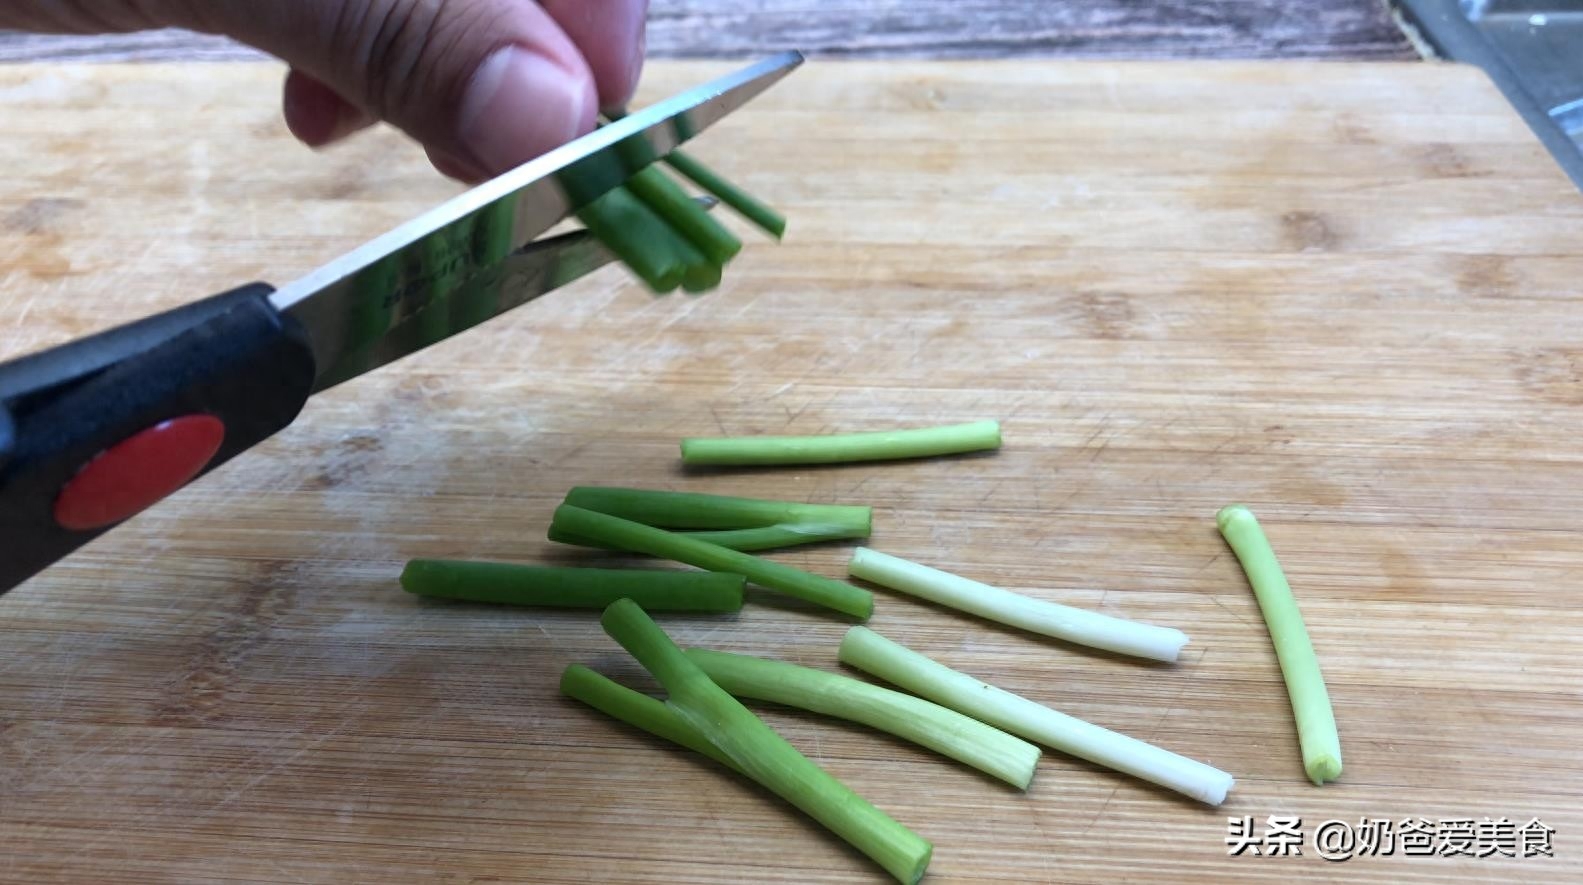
{"x":95,"y":431}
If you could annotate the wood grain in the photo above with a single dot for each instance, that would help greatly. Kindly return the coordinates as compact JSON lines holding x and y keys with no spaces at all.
{"x":1344,"y":294}
{"x":1342,"y":29}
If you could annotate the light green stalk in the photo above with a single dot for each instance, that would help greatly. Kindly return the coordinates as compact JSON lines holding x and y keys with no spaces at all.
{"x":944,"y":731}
{"x":844,"y":447}
{"x":872,"y":653}
{"x":1305,"y":684}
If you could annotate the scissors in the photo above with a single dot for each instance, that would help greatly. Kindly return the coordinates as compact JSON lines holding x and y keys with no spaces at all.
{"x":99,"y":429}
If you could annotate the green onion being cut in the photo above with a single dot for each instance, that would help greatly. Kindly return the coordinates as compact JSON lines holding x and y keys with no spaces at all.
{"x":636,"y":709}
{"x":612,"y":531}
{"x":667,"y":198}
{"x":511,"y":584}
{"x":1316,"y":721}
{"x":872,"y":653}
{"x":760,"y":753}
{"x":1036,"y":615}
{"x":693,"y":510}
{"x":638,"y":236}
{"x":745,"y":203}
{"x":944,"y":731}
{"x":838,"y":448}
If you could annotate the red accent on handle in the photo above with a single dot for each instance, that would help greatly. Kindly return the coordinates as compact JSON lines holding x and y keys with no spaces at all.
{"x":138,"y":471}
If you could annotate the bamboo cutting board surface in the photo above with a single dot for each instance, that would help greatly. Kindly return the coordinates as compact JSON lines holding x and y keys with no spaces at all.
{"x":1347,"y":295}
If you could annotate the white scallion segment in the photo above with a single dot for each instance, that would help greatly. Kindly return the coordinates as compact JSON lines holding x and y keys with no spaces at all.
{"x":1035,"y":615}
{"x":874,"y":654}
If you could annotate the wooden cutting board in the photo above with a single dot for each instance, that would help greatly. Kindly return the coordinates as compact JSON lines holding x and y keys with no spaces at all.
{"x":1348,"y":295}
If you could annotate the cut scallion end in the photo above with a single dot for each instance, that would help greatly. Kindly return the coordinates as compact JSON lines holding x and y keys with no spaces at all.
{"x":694,"y":510}
{"x":549,"y":586}
{"x":701,"y":277}
{"x":942,"y":730}
{"x":611,"y":531}
{"x":635,"y":709}
{"x":838,"y":448}
{"x":743,"y":202}
{"x":761,"y":754}
{"x":1305,"y":684}
{"x":874,"y":654}
{"x":1013,"y":609}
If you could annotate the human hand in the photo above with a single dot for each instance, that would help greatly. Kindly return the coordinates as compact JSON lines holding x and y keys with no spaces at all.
{"x":483,"y":85}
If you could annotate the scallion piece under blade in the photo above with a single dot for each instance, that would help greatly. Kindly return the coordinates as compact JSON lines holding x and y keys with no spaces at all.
{"x":695,"y":510}
{"x":551,"y":586}
{"x":942,"y":730}
{"x":636,"y":709}
{"x":667,"y":198}
{"x":760,"y":753}
{"x":874,"y":654}
{"x":623,"y":534}
{"x":1305,"y":684}
{"x":638,"y":236}
{"x":886,"y":445}
{"x":743,"y":202}
{"x":1036,"y":615}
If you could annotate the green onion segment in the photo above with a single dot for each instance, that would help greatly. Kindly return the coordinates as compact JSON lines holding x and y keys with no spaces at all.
{"x":844,"y":447}
{"x":874,"y":654}
{"x":761,"y":754}
{"x":1305,"y":684}
{"x":1035,"y":615}
{"x":550,"y":586}
{"x":612,"y":531}
{"x":945,"y":731}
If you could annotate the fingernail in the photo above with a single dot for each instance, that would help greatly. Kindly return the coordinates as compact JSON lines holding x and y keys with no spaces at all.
{"x":520,"y":105}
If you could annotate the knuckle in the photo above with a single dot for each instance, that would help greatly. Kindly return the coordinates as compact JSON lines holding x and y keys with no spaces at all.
{"x":417,"y":54}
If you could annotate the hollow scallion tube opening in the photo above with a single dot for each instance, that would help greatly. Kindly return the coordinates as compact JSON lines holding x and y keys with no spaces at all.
{"x":623,"y":534}
{"x":874,"y":654}
{"x":761,"y":754}
{"x":1036,"y":615}
{"x":552,"y":586}
{"x":942,"y":730}
{"x":1305,"y":684}
{"x":888,"y":445}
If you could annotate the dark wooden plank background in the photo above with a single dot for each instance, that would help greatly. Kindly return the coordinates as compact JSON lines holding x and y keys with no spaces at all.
{"x":1340,"y":29}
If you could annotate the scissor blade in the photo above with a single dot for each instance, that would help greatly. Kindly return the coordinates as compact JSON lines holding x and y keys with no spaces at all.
{"x":540,"y":267}
{"x":351,"y":304}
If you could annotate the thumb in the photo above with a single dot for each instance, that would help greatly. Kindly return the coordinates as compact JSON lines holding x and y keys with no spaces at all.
{"x":483,"y":85}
